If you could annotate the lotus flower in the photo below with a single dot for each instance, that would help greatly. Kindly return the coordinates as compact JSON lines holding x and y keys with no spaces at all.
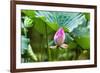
{"x":59,"y":37}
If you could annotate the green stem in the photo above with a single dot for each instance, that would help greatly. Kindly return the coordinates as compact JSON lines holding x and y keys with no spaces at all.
{"x":49,"y":52}
{"x":58,"y":52}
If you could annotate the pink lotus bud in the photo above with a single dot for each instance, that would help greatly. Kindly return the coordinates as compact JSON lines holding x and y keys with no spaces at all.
{"x":59,"y":37}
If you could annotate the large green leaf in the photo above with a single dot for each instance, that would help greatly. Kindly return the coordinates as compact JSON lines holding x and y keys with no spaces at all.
{"x":52,"y":25}
{"x":50,"y":21}
{"x":84,"y":42}
{"x":40,"y":26}
{"x":68,"y":20}
{"x":82,"y":37}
